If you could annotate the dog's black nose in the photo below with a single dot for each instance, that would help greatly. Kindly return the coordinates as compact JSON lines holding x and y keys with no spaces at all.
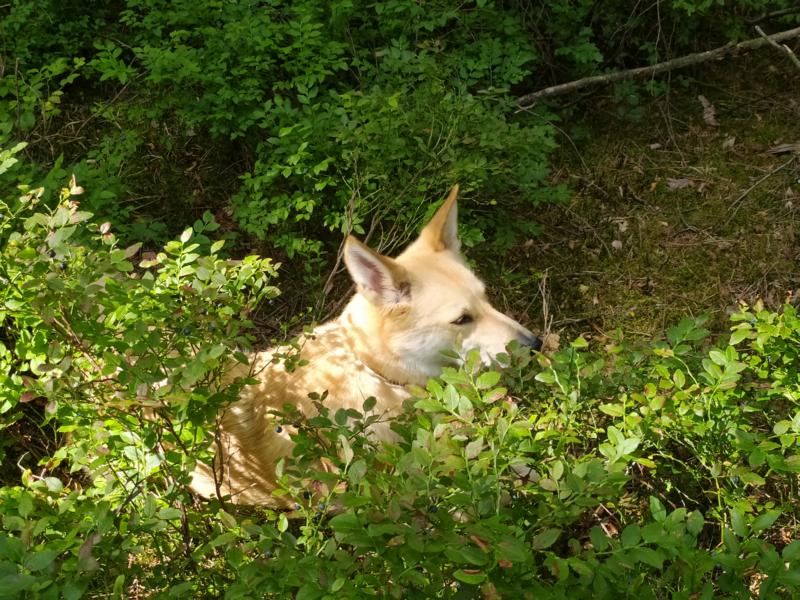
{"x":532,"y":341}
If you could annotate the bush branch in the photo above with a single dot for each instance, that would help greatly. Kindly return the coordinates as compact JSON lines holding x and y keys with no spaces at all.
{"x":670,"y":65}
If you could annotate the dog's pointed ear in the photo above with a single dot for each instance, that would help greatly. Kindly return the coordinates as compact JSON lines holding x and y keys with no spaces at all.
{"x":442,"y":231}
{"x":381,"y":279}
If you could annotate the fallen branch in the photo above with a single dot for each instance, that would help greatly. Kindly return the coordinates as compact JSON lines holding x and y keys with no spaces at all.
{"x":781,"y":47}
{"x":670,"y":65}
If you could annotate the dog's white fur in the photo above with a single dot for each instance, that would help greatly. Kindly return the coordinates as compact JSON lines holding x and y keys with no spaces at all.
{"x":393,"y":332}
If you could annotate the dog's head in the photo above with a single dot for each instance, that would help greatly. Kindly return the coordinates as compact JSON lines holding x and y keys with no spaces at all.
{"x":424,"y":302}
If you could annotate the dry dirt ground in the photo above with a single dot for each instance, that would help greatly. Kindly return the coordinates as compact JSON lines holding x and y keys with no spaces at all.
{"x":687,"y":205}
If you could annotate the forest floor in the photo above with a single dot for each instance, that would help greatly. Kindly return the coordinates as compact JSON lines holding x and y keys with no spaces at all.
{"x":676,"y":209}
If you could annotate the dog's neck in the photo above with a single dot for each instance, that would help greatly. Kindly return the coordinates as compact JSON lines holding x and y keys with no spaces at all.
{"x":368,"y":345}
{"x":382,"y":377}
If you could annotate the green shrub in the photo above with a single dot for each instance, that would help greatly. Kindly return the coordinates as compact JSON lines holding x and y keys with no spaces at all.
{"x":661,"y":471}
{"x":121,"y":367}
{"x":327,"y":118}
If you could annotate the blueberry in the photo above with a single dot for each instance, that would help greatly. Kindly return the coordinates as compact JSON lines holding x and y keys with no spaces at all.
{"x":433,"y":508}
{"x":306,"y":495}
{"x":186,"y":330}
{"x":278,"y":429}
{"x":51,"y":253}
{"x":63,"y":266}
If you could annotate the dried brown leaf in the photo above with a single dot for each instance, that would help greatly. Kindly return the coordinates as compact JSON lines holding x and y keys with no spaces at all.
{"x":709,"y":112}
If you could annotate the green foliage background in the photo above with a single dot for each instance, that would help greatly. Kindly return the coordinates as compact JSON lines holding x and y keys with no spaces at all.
{"x":664,"y":471}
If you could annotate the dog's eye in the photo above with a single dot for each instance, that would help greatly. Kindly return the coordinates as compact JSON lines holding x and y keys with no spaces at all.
{"x":463,"y":319}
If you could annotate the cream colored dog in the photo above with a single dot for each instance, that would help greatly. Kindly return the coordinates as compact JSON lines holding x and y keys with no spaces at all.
{"x":405,"y":313}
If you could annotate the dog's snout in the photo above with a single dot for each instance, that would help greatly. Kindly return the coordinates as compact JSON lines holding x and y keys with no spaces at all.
{"x":530,"y":340}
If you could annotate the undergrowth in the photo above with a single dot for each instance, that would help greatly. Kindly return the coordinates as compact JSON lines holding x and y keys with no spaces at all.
{"x":660,"y":471}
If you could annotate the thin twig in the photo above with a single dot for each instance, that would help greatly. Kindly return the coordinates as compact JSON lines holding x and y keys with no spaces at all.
{"x":783,"y":48}
{"x":736,"y":204}
{"x":547,"y":318}
{"x":326,"y":289}
{"x":670,"y":65}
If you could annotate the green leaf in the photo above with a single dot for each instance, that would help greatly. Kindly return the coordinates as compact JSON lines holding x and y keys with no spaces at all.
{"x":73,"y":590}
{"x":283,"y":523}
{"x":168,"y":514}
{"x":738,"y":524}
{"x":657,"y":509}
{"x":654,"y":558}
{"x":487,"y":380}
{"x":470,"y":576}
{"x":718,"y":357}
{"x":346,"y":449}
{"x":695,"y":522}
{"x":630,"y":535}
{"x":546,"y":538}
{"x":310,"y":591}
{"x":612,"y":410}
{"x":679,"y":379}
{"x":579,"y":343}
{"x":346,"y":523}
{"x":750,"y":477}
{"x":36,"y":561}
{"x":765,"y":520}
{"x":25,"y":504}
{"x":598,"y":538}
{"x":473,"y":449}
{"x":224,"y":539}
{"x":792,"y":551}
{"x":738,"y":335}
{"x":466,"y":554}
{"x":429,"y":405}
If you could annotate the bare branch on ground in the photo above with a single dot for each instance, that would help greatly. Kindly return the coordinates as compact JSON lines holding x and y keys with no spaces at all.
{"x":529,"y":100}
{"x":783,"y":48}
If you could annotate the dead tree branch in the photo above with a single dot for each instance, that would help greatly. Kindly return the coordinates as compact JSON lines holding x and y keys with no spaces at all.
{"x":783,"y":48}
{"x":529,"y":100}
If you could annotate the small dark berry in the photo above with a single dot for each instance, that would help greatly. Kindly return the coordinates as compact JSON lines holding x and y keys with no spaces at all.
{"x":296,"y":506}
{"x":186,"y":330}
{"x":51,"y":253}
{"x":433,"y":508}
{"x":63,"y":266}
{"x":278,"y":429}
{"x":306,"y":495}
